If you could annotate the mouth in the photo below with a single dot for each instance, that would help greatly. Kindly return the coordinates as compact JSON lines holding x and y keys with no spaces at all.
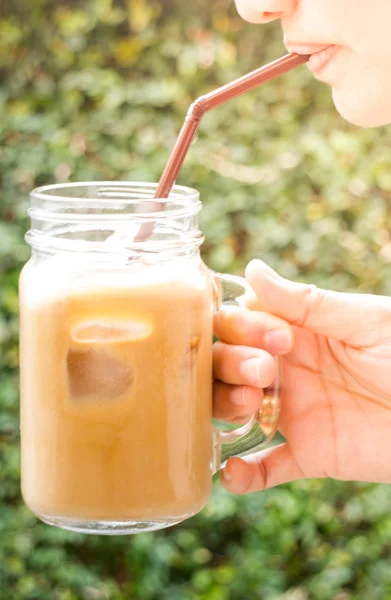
{"x":320,"y":54}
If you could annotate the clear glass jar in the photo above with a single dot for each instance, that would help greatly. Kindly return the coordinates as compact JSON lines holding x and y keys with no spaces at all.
{"x":116,"y":360}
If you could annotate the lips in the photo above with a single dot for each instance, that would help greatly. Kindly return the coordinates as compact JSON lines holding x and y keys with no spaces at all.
{"x":320,"y":54}
{"x":320,"y":60}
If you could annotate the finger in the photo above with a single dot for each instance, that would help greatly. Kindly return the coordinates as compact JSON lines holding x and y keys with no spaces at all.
{"x":242,"y":365}
{"x":261,"y":471}
{"x":256,"y":329}
{"x":234,"y":403}
{"x":254,"y":11}
{"x":352,"y":318}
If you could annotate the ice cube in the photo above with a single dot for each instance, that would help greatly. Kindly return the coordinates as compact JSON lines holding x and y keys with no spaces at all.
{"x":96,"y":373}
{"x":111,"y":331}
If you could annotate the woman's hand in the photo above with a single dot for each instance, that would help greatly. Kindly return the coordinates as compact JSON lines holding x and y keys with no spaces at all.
{"x":336,"y":409}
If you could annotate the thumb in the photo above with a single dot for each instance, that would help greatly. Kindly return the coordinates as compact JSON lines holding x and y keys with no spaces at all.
{"x":358,"y":319}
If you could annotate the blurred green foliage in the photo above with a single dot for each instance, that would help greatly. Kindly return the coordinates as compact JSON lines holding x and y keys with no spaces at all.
{"x":98,"y":90}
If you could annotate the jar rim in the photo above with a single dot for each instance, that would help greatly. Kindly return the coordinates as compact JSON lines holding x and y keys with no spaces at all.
{"x":95,"y":196}
{"x":111,"y":188}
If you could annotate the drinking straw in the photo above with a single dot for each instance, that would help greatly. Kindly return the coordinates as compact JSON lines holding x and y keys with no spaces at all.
{"x":202,"y":105}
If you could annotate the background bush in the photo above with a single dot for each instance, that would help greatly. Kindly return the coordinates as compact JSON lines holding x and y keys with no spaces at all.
{"x":98,"y":90}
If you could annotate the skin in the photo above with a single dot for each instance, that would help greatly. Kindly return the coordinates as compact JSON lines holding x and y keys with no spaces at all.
{"x":359,"y":75}
{"x":336,"y":411}
{"x":336,"y":348}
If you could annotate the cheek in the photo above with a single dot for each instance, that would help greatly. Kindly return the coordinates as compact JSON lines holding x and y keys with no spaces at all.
{"x":363,"y":96}
{"x":367,"y":31}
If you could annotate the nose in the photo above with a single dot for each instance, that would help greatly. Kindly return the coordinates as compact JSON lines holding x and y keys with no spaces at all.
{"x":264,"y":11}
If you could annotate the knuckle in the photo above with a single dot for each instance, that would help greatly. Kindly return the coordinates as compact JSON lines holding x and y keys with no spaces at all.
{"x":313,"y":297}
{"x":315,"y":294}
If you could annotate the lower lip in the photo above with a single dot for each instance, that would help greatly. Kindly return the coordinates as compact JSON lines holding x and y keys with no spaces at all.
{"x":320,"y":60}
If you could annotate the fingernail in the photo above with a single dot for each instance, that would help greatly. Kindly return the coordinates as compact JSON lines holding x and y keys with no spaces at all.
{"x":250,"y":370}
{"x":239,"y":396}
{"x":278,"y":340}
{"x":226,"y":475}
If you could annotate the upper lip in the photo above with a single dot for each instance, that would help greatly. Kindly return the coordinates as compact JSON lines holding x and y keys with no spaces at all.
{"x":302,"y":48}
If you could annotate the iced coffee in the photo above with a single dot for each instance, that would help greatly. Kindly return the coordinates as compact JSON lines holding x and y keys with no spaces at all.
{"x":116,"y":395}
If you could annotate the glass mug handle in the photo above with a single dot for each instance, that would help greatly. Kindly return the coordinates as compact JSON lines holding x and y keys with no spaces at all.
{"x":260,"y":429}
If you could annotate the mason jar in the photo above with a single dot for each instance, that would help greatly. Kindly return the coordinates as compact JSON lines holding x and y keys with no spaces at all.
{"x":117,"y":311}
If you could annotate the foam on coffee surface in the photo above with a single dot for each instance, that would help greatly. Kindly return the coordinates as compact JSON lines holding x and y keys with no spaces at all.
{"x":60,"y":277}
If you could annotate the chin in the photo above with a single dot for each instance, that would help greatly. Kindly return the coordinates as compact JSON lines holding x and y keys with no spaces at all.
{"x":367,"y":108}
